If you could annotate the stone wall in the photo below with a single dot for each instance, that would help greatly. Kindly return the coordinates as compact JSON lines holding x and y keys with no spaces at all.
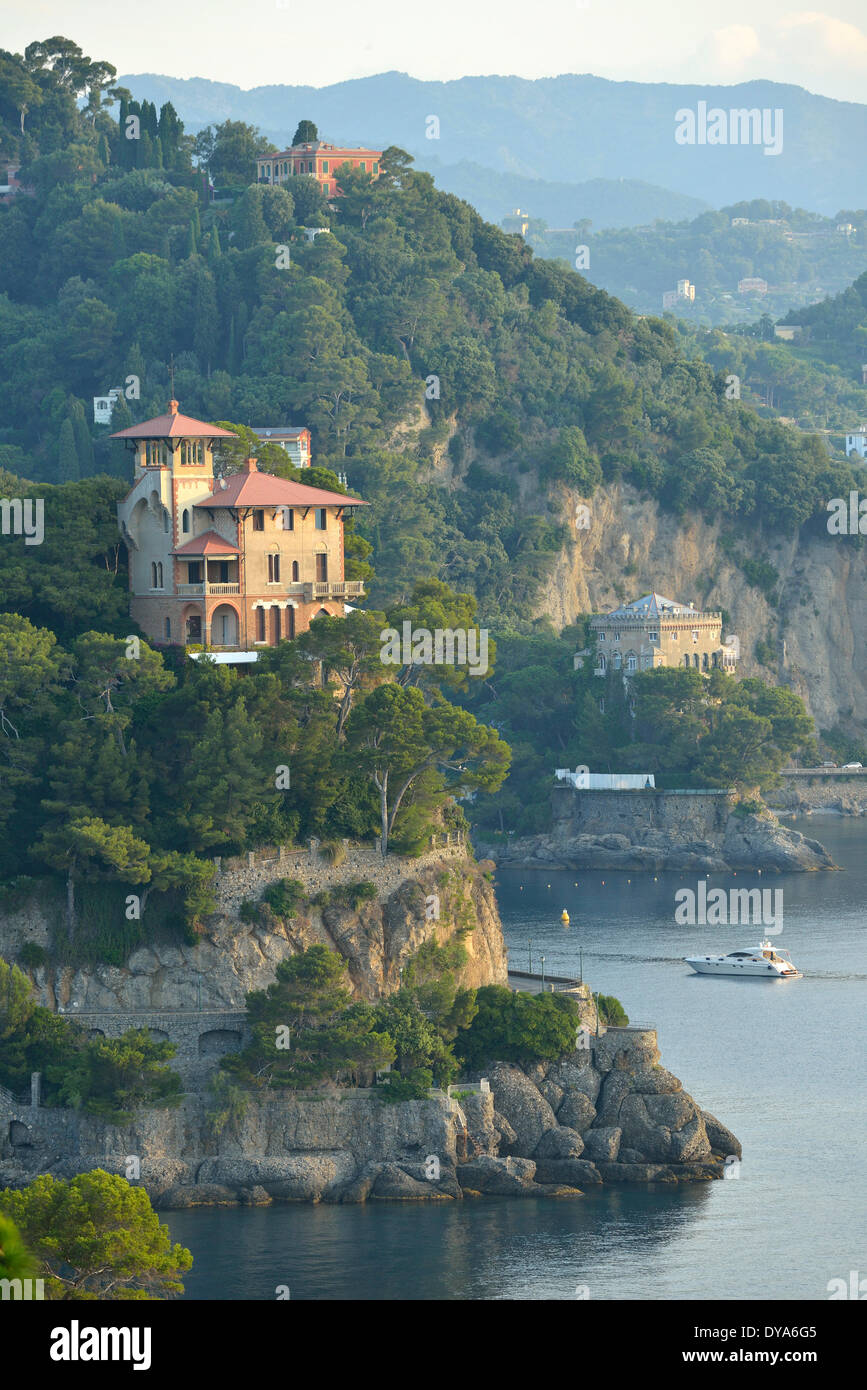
{"x":701,"y":814}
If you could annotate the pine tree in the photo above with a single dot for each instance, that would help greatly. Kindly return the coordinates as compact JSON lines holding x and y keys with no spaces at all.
{"x":68,"y":470}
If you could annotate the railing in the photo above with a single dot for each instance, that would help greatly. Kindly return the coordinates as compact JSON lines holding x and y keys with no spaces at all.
{"x":203,"y":589}
{"x":327,"y":588}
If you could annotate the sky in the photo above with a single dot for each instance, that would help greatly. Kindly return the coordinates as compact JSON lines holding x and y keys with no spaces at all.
{"x":283,"y":41}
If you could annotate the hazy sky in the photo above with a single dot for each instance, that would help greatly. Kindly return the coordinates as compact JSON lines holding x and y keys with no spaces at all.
{"x":271,"y":41}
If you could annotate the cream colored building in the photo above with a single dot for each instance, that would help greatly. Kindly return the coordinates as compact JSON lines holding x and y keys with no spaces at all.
{"x":656,"y":631}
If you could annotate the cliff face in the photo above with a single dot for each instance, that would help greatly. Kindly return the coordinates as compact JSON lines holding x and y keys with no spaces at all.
{"x":606,"y":1112}
{"x":819,"y":629}
{"x":435,"y":897}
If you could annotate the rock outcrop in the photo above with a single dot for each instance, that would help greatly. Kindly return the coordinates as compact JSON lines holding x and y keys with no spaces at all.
{"x":607,"y":1112}
{"x":742,"y":842}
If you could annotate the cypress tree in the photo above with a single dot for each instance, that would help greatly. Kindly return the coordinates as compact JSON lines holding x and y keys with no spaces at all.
{"x":67,"y":455}
{"x":83,"y":440}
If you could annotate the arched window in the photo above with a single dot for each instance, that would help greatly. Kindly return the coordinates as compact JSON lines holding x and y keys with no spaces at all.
{"x":168,"y":629}
{"x":618,"y":661}
{"x":686,"y":659}
{"x":631,"y":662}
{"x":704,"y":662}
{"x":602,"y":662}
{"x":185,"y":520}
{"x":153,"y":575}
{"x":159,"y":574}
{"x":295,"y":571}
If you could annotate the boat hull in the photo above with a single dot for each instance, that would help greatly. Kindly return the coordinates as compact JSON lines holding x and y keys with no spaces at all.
{"x":746,"y":970}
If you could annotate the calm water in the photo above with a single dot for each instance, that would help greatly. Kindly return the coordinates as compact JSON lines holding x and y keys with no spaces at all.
{"x":781,"y":1063}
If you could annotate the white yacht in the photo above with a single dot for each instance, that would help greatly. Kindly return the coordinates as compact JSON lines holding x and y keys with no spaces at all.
{"x":765,"y":961}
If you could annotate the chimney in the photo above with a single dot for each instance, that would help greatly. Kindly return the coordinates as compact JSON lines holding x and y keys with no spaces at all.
{"x":173,"y":407}
{"x":249,"y":466}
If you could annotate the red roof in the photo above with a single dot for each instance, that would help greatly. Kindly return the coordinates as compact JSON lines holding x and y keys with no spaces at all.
{"x":250,"y":488}
{"x":209,"y":543}
{"x":173,"y":426}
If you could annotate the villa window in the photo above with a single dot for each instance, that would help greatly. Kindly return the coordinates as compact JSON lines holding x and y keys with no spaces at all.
{"x":159,"y":574}
{"x":686,"y":659}
{"x":616,"y":637}
{"x":194,"y":571}
{"x":631,"y":662}
{"x":191,"y":451}
{"x":602,"y":637}
{"x":618,"y":661}
{"x":288,"y":518}
{"x":695,"y":660}
{"x":325,"y":166}
{"x":185,"y":521}
{"x":653,"y":636}
{"x":321,"y":569}
{"x":321,"y":518}
{"x":274,"y":569}
{"x":602,"y":663}
{"x":375,"y":167}
{"x":695,"y":635}
{"x":260,"y":624}
{"x":153,"y":575}
{"x":704,"y":662}
{"x":295,"y":571}
{"x":168,"y":629}
{"x":258,"y":519}
{"x":363,"y":166}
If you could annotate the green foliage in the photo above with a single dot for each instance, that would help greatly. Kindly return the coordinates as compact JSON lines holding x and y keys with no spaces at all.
{"x":334,"y":851}
{"x":515,"y":1027}
{"x":350,"y":895}
{"x":32,"y":955}
{"x":16,"y":1262}
{"x":96,"y":1237}
{"x":107,"y":1077}
{"x":284,"y":897}
{"x":611,"y":1011}
{"x":397,"y":1087}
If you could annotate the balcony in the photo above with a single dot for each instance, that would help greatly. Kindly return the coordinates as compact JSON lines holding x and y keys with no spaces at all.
{"x":207,"y":590}
{"x":310,"y":591}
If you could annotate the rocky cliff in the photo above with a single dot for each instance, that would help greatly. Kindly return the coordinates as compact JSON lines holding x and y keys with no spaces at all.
{"x":605,"y":1113}
{"x":818,"y":630}
{"x":439,"y":895}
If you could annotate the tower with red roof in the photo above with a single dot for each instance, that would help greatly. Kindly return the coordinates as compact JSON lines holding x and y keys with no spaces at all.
{"x":232,"y":563}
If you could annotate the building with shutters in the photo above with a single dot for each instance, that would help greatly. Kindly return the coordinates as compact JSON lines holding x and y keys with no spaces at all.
{"x":232,"y":563}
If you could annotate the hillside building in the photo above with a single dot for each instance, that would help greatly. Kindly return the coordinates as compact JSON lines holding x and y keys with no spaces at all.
{"x":234,"y":563}
{"x":856,"y":443}
{"x":684,"y":294}
{"x":656,"y":631}
{"x":296,"y":442}
{"x":752,"y":284}
{"x":318,"y":160}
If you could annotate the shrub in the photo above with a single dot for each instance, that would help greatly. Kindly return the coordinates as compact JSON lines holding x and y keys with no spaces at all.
{"x":514,"y":1027}
{"x":413,"y":1085}
{"x":249,"y":911}
{"x":354,"y":894}
{"x":284,"y":896}
{"x":32,"y":954}
{"x":334,"y":851}
{"x":611,"y":1011}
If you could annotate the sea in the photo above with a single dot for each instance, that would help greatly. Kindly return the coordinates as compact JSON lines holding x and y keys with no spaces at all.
{"x":780,"y":1062}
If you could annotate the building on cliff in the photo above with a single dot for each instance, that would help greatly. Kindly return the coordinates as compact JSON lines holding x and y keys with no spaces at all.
{"x":234,"y":563}
{"x":318,"y":160}
{"x":656,"y":631}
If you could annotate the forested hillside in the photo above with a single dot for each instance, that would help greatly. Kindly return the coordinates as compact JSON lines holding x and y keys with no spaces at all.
{"x":471,"y":392}
{"x":802,"y":257}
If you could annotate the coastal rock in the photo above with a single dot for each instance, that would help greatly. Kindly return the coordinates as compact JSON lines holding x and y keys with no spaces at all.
{"x":721,"y":1139}
{"x":576,"y":1111}
{"x":294,"y":1178}
{"x":500,"y":1177}
{"x":516,"y":1098}
{"x":559,"y":1143}
{"x":575,"y":1172}
{"x":576,"y":1073}
{"x":603,"y":1144}
{"x":206,"y":1194}
{"x":506,"y":1135}
{"x":393,"y":1184}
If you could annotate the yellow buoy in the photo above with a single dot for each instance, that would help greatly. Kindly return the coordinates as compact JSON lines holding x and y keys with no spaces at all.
{"x":564,"y":917}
